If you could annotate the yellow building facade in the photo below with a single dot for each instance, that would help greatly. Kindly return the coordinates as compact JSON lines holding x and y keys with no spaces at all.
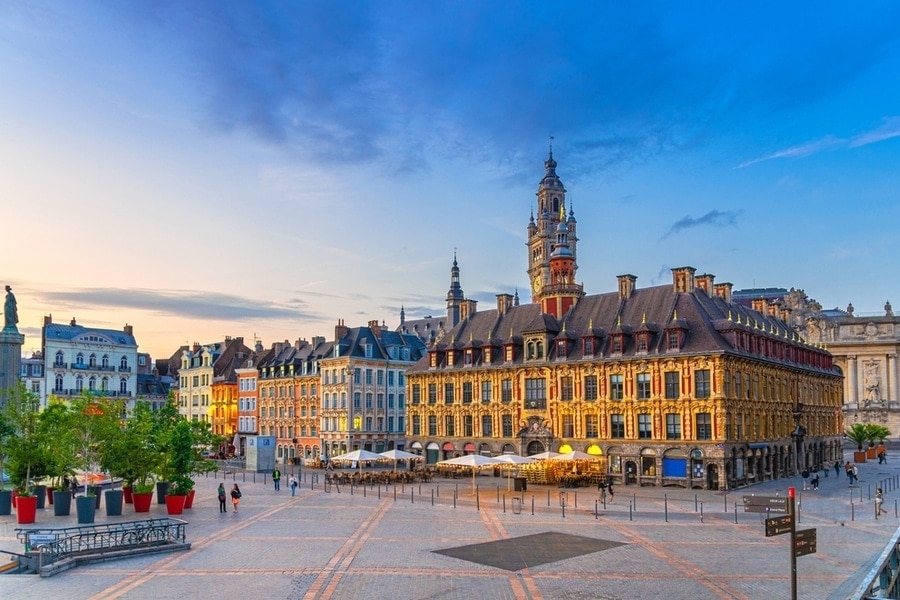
{"x":668,"y":385}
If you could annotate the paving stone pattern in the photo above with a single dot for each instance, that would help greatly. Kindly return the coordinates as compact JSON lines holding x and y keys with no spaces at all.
{"x":438,"y":541}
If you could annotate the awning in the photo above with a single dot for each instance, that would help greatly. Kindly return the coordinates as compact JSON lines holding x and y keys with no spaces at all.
{"x":595,"y":450}
{"x":564,"y":449}
{"x":416,"y":445}
{"x":432,"y":446}
{"x":449,"y":447}
{"x":469,"y":447}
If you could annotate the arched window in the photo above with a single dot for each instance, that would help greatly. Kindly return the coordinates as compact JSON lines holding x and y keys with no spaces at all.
{"x":79,"y":359}
{"x":79,"y":383}
{"x":59,"y":359}
{"x":92,"y":361}
{"x":104,"y":384}
{"x":123,"y":385}
{"x":123,"y":363}
{"x":92,"y":383}
{"x":104,"y":361}
{"x":58,"y":386}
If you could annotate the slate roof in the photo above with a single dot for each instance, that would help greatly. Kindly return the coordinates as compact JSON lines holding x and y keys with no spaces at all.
{"x":58,"y":331}
{"x":707,"y":320}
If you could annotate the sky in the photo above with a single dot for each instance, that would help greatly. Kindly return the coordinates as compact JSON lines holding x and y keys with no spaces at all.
{"x":264,"y":169}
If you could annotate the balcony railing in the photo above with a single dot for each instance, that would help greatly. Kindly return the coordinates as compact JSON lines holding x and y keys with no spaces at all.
{"x":60,"y":365}
{"x":103,"y":393}
{"x":124,"y":369}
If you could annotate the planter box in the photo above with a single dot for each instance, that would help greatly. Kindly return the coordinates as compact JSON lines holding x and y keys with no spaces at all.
{"x":97,"y":493}
{"x":142,"y":501}
{"x":859,"y":457}
{"x":114,"y":500}
{"x":40,"y":492}
{"x":50,"y":490}
{"x":127,"y":493}
{"x":870,"y":453}
{"x":162,"y":488}
{"x":189,"y":500}
{"x":86,"y":508}
{"x":26,"y":509}
{"x":175,"y":504}
{"x":62,"y":503}
{"x":5,"y":502}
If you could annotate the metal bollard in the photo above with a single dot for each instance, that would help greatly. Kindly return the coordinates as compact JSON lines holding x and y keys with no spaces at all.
{"x":666,"y":507}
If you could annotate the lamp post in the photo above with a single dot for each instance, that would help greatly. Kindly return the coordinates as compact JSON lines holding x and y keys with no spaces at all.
{"x":798,"y":435}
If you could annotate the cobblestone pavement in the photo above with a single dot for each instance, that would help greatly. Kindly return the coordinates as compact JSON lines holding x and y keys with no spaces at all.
{"x":381,"y":543}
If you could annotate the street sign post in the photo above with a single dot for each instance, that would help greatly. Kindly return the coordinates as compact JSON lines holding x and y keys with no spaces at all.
{"x":779,"y":525}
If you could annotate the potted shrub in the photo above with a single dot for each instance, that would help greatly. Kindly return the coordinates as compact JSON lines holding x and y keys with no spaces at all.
{"x":55,"y":423}
{"x":164,"y":421}
{"x":132,"y":455}
{"x":6,"y":433}
{"x":94,"y":420}
{"x":25,"y":452}
{"x":180,"y":461}
{"x":875,"y":433}
{"x":858,"y":433}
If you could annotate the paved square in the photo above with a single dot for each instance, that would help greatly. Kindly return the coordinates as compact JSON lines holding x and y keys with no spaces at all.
{"x":514,"y":554}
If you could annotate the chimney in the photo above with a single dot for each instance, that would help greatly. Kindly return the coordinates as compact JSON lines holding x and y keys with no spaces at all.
{"x":48,"y":320}
{"x":375,"y":327}
{"x":196,"y":347}
{"x":72,"y":322}
{"x":278,"y":347}
{"x":227,"y":339}
{"x":683,"y":279}
{"x":759,"y":305}
{"x":626,"y":286}
{"x":772,"y":309}
{"x":467,"y":309}
{"x":340,"y":330}
{"x":785,"y":314}
{"x":504,"y":302}
{"x":723,"y":291}
{"x":705,"y":283}
{"x":129,"y":329}
{"x":317,"y":340}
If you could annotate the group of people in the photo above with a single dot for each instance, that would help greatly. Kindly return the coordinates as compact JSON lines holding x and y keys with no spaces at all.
{"x":292,"y":481}
{"x":605,"y":487}
{"x":235,"y":497}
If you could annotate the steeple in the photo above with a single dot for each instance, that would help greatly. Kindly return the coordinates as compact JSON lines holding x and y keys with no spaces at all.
{"x":542,"y":229}
{"x":455,"y":295}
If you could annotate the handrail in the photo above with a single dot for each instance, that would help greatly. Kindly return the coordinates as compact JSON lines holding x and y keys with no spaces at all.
{"x":882,"y":579}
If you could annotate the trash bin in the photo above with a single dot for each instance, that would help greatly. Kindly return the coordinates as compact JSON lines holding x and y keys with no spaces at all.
{"x":520,"y":484}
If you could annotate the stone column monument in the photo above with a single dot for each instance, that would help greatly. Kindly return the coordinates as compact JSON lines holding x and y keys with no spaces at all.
{"x":11,"y":342}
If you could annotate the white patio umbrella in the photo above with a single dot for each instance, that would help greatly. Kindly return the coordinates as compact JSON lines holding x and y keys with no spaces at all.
{"x":544,"y":455}
{"x":359,"y":456}
{"x":511,"y":460}
{"x":475,"y":461}
{"x":396,"y":455}
{"x":575,"y":455}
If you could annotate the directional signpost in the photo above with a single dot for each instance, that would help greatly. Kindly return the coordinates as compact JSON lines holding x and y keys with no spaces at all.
{"x":805,"y":542}
{"x":779,"y":525}
{"x":766,"y":504}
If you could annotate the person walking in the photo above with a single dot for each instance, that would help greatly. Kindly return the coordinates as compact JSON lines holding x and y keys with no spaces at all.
{"x":292,"y":482}
{"x":221,"y":493}
{"x":879,"y":503}
{"x":837,"y":468}
{"x":235,"y":497}
{"x":814,"y":482}
{"x":609,"y":489}
{"x":849,"y":469}
{"x":276,"y":478}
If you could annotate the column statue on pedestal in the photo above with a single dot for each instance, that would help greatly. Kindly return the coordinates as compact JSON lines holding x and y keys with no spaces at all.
{"x":10,"y":311}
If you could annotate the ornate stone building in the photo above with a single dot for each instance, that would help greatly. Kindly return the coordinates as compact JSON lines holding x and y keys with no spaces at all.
{"x":865,"y":347}
{"x":667,"y":385}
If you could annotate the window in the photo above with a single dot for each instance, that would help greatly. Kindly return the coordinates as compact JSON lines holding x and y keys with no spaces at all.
{"x":357,"y":400}
{"x":468,"y":426}
{"x":356,"y":375}
{"x":738,"y":386}
{"x":673,"y":340}
{"x":379,"y":377}
{"x":704,"y":426}
{"x":566,"y":390}
{"x":672,"y":385}
{"x":590,"y":387}
{"x":123,"y":386}
{"x":507,"y":423}
{"x":568,"y":426}
{"x":58,"y":384}
{"x":673,"y":426}
{"x":467,"y":393}
{"x":645,"y":426}
{"x":506,"y":394}
{"x":416,"y":394}
{"x":588,"y":346}
{"x":617,"y":426}
{"x":485,"y":392}
{"x":449,"y":426}
{"x":432,"y":393}
{"x":486,"y":426}
{"x":616,"y":344}
{"x":448,"y":393}
{"x":536,"y":393}
{"x":390,"y":401}
{"x":642,"y":342}
{"x":643,"y":386}
{"x":368,"y":376}
{"x":616,"y":388}
{"x":59,"y":360}
{"x":416,"y":425}
{"x":379,"y":401}
{"x":701,"y":383}
{"x":590,"y":426}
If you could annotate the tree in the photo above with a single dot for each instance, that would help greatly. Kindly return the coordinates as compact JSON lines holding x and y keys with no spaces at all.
{"x":857,"y":433}
{"x":131,"y":452}
{"x":94,"y":421}
{"x":55,"y":424}
{"x":876,"y":433}
{"x":7,"y":431}
{"x":26,"y":453}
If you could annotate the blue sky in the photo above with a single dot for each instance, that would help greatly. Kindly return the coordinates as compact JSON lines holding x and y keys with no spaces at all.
{"x":263,"y":169}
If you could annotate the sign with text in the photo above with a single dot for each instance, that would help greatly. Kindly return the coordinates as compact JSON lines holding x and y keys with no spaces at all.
{"x":805,"y":542}
{"x":766,"y":504}
{"x":779,"y":525}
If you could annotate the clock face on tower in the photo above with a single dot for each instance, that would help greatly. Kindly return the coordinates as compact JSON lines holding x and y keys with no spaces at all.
{"x":537,"y":284}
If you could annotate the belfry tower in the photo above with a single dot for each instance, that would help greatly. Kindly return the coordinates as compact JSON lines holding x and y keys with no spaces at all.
{"x":543,"y":231}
